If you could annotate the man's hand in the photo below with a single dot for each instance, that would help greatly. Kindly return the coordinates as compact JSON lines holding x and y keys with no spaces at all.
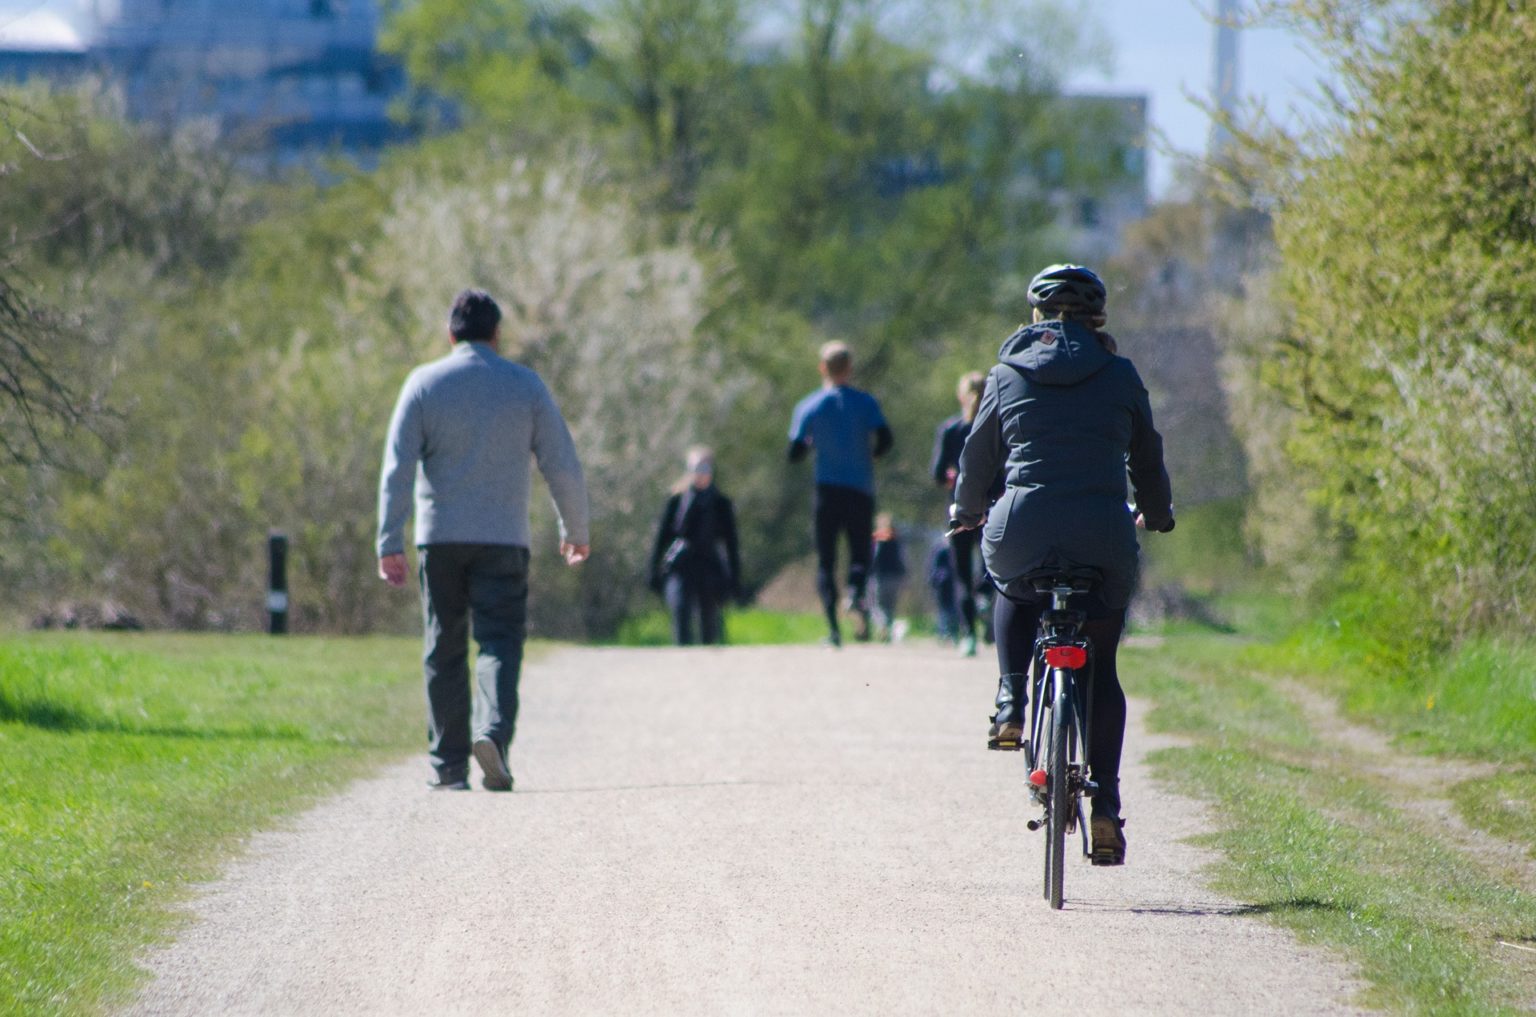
{"x":575,"y":554}
{"x":392,"y":569}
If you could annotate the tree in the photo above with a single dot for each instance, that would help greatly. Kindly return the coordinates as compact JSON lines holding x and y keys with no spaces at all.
{"x":39,"y":400}
{"x":1406,"y":357}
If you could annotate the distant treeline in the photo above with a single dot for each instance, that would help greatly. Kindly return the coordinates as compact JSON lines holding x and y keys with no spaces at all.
{"x":673,"y":212}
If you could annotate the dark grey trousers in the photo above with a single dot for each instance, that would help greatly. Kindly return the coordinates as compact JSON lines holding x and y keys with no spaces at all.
{"x":484,"y":586}
{"x":686,"y":595}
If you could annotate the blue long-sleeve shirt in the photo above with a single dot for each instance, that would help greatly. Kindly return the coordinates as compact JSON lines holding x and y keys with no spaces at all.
{"x":465,"y":433}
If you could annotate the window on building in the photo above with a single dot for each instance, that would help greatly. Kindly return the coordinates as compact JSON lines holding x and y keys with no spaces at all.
{"x":1053,"y":165}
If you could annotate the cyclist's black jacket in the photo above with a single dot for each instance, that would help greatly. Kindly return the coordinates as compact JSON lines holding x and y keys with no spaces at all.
{"x":1064,"y":417}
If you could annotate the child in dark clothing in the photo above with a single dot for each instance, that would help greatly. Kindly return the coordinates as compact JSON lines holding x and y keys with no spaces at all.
{"x":941,"y":580}
{"x":889,"y":570}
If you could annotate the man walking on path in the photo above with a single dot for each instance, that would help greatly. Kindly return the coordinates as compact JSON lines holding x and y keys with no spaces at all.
{"x":462,"y":434}
{"x":848,"y":431}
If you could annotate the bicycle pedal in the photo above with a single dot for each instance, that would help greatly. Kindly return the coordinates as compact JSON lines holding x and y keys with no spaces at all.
{"x":999,"y":745}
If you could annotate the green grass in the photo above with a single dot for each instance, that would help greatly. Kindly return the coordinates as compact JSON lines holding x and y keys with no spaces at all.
{"x":748,"y":627}
{"x":1322,"y":848}
{"x":1205,"y":553}
{"x":1478,"y":702}
{"x":130,"y":765}
{"x":1504,"y":805}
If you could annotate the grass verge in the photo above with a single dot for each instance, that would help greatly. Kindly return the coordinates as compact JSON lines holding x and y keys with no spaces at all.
{"x":129,"y":765}
{"x":1478,"y":702}
{"x":747,"y":627}
{"x":1324,"y":847}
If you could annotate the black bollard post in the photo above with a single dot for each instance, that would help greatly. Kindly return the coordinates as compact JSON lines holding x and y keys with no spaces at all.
{"x":277,"y":583}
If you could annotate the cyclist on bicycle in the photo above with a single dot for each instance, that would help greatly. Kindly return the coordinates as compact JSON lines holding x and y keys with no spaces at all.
{"x":1064,"y":416}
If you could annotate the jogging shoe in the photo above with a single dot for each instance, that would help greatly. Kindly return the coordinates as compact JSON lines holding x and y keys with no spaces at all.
{"x":488,"y":754}
{"x":862,"y":627}
{"x":443,"y":784}
{"x":968,"y":646}
{"x":1108,"y":832}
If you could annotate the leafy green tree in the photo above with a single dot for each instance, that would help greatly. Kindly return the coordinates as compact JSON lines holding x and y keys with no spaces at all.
{"x":1407,"y":291}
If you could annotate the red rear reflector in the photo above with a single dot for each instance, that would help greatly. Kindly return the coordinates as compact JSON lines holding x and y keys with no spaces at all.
{"x":1037,"y":778}
{"x":1066,"y":656}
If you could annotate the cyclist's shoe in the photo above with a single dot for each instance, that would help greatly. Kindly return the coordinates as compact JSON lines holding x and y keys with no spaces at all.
{"x":1108,"y":832}
{"x":1007,"y":730}
{"x":1007,"y":736}
{"x":488,"y":755}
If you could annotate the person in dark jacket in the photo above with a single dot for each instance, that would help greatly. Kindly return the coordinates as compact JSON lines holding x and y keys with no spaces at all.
{"x":695,"y":562}
{"x":945,"y":468}
{"x":941,"y":580}
{"x":888,"y":570}
{"x":1065,"y":416}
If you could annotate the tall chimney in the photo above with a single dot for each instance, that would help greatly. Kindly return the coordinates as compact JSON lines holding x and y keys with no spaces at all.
{"x":1224,"y":86}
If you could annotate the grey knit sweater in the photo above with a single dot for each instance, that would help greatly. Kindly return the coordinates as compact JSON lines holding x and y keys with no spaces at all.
{"x":463,"y":435}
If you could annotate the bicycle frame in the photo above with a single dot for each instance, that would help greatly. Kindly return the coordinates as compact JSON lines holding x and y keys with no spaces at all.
{"x":1061,"y":654}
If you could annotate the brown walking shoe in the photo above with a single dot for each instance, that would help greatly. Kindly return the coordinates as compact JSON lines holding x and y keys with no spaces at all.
{"x":1108,"y":838}
{"x":497,"y":776}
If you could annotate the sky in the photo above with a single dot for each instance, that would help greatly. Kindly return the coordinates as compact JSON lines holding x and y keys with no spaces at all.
{"x":1160,"y":48}
{"x":1164,"y":49}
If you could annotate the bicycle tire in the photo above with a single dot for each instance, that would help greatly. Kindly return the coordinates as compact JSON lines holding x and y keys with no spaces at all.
{"x":1057,"y":818}
{"x":1039,"y":753}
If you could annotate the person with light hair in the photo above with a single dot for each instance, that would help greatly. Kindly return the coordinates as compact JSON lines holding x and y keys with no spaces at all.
{"x":847,"y":430}
{"x":945,"y":468}
{"x":695,"y":562}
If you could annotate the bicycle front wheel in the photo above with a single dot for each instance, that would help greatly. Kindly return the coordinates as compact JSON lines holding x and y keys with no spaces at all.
{"x":1058,"y":814}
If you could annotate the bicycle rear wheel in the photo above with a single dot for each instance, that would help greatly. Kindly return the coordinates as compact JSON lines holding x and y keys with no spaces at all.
{"x":1057,"y":812}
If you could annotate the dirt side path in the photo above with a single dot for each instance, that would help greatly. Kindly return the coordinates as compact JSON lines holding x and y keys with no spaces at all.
{"x":744,"y":831}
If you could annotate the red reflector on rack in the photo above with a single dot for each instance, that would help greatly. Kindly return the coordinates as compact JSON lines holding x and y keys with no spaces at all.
{"x":1066,"y":656}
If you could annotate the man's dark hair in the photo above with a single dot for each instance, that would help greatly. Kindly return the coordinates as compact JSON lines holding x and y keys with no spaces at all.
{"x":474,"y":316}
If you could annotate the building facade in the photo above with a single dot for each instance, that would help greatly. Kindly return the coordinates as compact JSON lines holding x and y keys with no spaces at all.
{"x":282,"y":81}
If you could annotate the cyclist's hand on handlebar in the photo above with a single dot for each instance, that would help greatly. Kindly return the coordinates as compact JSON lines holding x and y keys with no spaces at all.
{"x":959,"y":523}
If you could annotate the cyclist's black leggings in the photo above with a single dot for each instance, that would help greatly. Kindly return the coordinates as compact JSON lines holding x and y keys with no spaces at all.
{"x":1016,"y":624}
{"x":962,"y":548}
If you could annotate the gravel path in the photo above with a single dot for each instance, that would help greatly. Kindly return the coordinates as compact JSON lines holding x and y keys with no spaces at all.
{"x":744,"y":831}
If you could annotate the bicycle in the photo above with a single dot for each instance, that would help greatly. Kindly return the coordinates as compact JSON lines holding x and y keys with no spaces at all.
{"x":1059,"y":721}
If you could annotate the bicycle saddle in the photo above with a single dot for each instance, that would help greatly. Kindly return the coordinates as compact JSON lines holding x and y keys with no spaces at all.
{"x":1079,"y":578}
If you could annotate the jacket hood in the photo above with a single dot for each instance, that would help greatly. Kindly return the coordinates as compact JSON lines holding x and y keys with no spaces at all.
{"x":1055,"y":352}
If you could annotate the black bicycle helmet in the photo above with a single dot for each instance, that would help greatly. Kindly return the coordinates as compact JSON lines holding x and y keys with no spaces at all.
{"x":1068,"y":288}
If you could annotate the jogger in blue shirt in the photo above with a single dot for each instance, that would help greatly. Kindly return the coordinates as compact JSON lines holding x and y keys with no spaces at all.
{"x":847,"y":430}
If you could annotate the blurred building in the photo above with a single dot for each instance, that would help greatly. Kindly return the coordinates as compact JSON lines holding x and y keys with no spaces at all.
{"x":283,"y":81}
{"x":40,"y":46}
{"x":1097,"y":179}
